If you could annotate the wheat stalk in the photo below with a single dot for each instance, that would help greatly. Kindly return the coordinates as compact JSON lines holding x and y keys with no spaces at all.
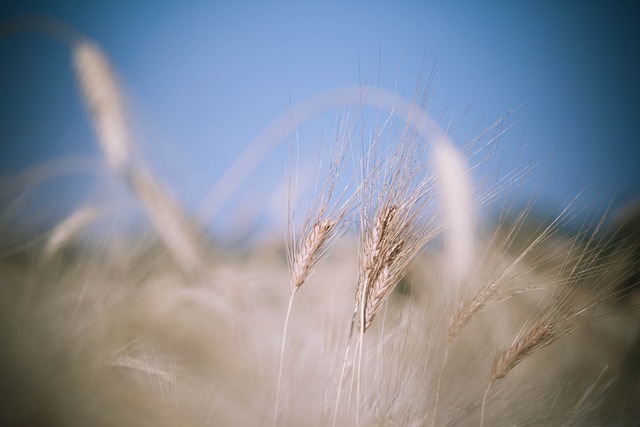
{"x":104,"y":99}
{"x":456,"y":203}
{"x":396,"y":192}
{"x":326,"y":221}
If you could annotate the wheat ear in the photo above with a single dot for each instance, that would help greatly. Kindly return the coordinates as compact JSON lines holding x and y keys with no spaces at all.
{"x":103,"y":97}
{"x":325,"y":222}
{"x":383,"y":245}
{"x":313,"y":246}
{"x":310,"y":250}
{"x":493,"y":291}
{"x":541,"y":335}
{"x":590,"y":267}
{"x":396,"y":191}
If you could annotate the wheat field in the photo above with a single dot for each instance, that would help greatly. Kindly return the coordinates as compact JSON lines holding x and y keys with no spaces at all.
{"x":403,"y":292}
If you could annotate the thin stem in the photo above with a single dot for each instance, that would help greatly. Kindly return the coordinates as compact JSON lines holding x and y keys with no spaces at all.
{"x":363,"y":301}
{"x":344,"y":367}
{"x":484,"y":401}
{"x":284,"y":340}
{"x":444,"y":364}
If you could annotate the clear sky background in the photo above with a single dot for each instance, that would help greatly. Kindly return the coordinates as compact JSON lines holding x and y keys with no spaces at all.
{"x":204,"y":78}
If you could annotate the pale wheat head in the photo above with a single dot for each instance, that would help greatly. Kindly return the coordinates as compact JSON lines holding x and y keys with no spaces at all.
{"x":397,"y":193}
{"x":103,"y":97}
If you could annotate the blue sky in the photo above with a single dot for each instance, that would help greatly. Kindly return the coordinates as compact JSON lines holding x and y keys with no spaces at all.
{"x":204,"y":78}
